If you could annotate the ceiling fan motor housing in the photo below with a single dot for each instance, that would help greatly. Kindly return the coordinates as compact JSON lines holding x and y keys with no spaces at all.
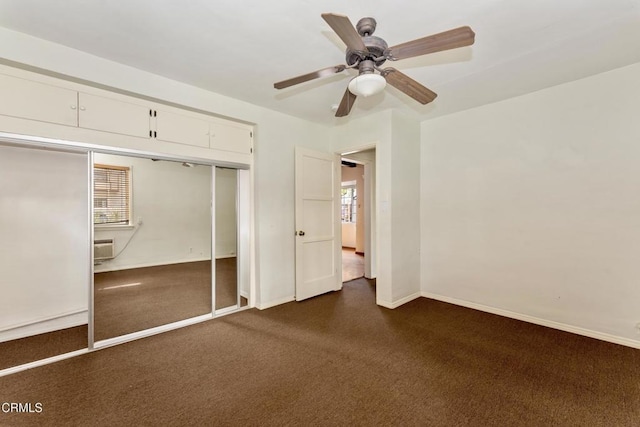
{"x":376,"y":47}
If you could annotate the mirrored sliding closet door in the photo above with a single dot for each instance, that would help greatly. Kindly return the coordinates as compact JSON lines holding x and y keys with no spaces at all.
{"x":152,"y":243}
{"x":44,"y":254}
{"x":228,"y":295}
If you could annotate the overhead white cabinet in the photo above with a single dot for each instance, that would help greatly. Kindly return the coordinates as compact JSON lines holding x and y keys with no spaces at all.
{"x":183,"y":129}
{"x":93,"y":109}
{"x":231,"y":138}
{"x":38,"y":101}
{"x":111,"y":115}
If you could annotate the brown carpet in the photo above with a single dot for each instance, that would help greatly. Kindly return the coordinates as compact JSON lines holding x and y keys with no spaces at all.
{"x":37,"y":347}
{"x":339,"y":359}
{"x":133,"y":300}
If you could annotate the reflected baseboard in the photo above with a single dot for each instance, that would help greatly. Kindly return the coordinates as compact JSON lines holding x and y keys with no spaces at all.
{"x":149,"y":332}
{"x":109,"y":268}
{"x":42,"y":326}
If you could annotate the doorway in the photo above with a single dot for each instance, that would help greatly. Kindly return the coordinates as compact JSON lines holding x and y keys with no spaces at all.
{"x":357,"y":214}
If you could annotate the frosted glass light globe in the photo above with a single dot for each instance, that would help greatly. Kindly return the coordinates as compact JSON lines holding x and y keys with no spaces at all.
{"x":367,"y":84}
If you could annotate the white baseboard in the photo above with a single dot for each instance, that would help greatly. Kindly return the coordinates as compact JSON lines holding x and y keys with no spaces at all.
{"x":538,"y":321}
{"x":41,"y":326}
{"x":398,"y":303}
{"x":264,"y":306}
{"x":107,"y":268}
{"x":226,"y":256}
{"x":42,"y":362}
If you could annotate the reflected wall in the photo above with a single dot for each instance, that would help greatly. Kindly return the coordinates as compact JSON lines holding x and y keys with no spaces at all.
{"x":161,"y":270}
{"x":44,"y":256}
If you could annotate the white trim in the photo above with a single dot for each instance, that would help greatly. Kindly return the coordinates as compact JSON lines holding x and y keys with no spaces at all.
{"x":226,"y":256}
{"x":83,"y":147}
{"x":91,"y":249}
{"x":152,"y":331}
{"x":230,"y":310}
{"x":276,"y":302}
{"x":226,"y":310}
{"x":110,"y":342}
{"x":145,"y":265}
{"x":44,"y":325}
{"x":212,"y":243}
{"x":105,"y":227}
{"x":398,"y":303}
{"x":42,"y":362}
{"x":536,"y":320}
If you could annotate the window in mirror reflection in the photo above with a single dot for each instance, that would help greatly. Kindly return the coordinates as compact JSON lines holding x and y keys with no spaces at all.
{"x":156,"y":268}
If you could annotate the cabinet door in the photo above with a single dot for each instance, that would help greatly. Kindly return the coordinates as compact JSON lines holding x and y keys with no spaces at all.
{"x":111,"y":115}
{"x":38,"y":101}
{"x":172,"y":127}
{"x":230,"y":138}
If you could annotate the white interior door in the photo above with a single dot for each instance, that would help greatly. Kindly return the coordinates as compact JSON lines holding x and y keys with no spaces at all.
{"x":318,"y":239}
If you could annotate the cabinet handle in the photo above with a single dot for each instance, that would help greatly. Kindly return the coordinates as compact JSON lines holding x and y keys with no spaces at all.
{"x":73,"y":107}
{"x":82,"y":108}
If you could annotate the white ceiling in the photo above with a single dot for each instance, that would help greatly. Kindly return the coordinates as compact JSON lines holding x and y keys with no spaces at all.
{"x":239,"y":48}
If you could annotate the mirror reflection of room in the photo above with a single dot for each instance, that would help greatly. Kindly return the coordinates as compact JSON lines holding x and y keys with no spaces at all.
{"x":44,"y":256}
{"x":226,"y":246}
{"x":152,"y":243}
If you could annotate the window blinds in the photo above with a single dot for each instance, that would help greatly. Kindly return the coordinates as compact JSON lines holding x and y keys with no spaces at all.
{"x":111,"y":195}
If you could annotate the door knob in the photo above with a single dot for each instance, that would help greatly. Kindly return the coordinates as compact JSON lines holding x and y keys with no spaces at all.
{"x":300,"y":233}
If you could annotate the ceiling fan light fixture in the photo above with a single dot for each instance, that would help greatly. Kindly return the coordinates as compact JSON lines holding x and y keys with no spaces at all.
{"x":367,"y":84}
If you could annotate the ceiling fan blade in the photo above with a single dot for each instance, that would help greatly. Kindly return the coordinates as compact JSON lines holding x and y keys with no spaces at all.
{"x":345,"y":30}
{"x":306,"y":77}
{"x":458,"y":37}
{"x":409,"y":86}
{"x":345,"y":105}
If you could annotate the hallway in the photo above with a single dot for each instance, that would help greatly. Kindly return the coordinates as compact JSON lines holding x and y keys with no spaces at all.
{"x":352,"y":265}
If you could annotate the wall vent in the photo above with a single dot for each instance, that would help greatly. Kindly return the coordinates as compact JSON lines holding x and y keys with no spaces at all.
{"x":103,"y":249}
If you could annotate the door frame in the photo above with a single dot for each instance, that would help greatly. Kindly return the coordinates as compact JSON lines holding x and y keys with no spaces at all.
{"x":370,"y":216}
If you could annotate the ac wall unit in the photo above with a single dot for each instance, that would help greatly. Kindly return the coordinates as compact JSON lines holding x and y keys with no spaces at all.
{"x":103,"y":249}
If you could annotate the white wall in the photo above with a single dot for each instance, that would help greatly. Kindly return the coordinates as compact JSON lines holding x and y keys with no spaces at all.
{"x":405,"y":208}
{"x":44,"y":256}
{"x":174,"y":203}
{"x":348,"y":235}
{"x":530,"y":206}
{"x":397,"y":142}
{"x":275,"y":137}
{"x":226,"y":218}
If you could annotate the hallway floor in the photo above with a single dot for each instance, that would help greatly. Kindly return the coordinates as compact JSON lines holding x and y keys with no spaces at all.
{"x":352,"y":265}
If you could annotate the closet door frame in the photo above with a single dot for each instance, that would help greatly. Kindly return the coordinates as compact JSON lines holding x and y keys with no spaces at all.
{"x":244,"y":218}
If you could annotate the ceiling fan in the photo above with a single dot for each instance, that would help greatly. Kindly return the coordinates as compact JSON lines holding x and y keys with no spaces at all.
{"x":366,"y":53}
